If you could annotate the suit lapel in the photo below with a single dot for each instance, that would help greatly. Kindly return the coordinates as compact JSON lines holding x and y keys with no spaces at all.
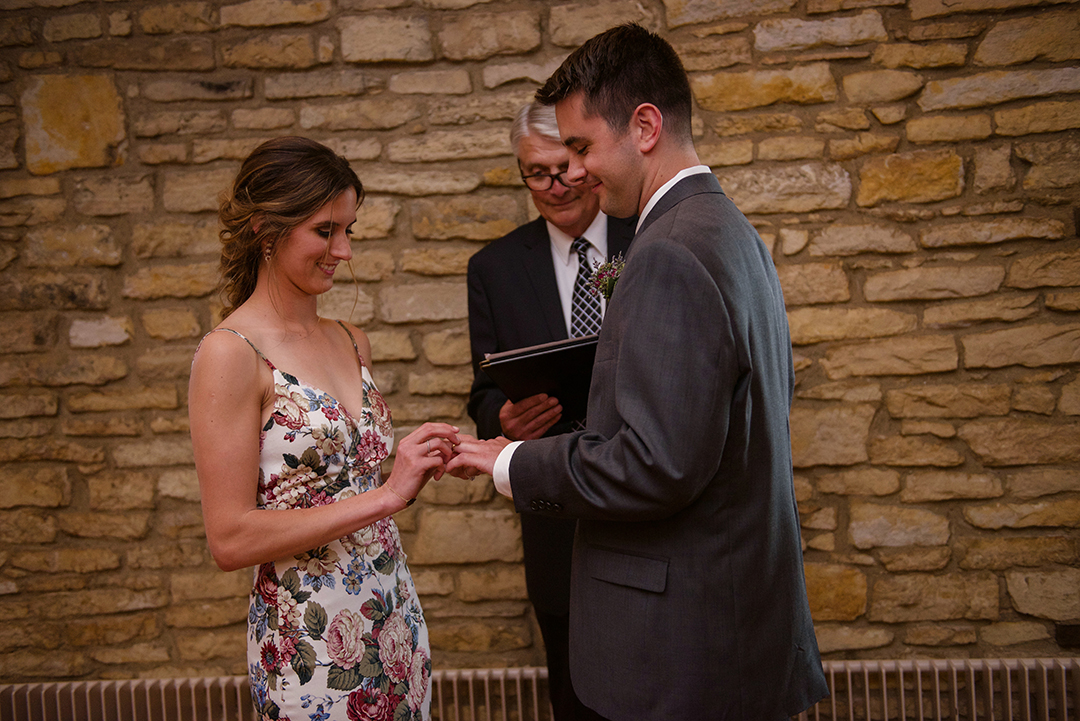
{"x":690,"y":185}
{"x":619,"y":234}
{"x":538,"y":268}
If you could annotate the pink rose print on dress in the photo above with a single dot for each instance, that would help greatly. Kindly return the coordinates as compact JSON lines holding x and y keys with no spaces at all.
{"x":345,"y":639}
{"x":290,"y":407}
{"x":419,"y":673}
{"x":395,"y":648}
{"x":366,"y":707}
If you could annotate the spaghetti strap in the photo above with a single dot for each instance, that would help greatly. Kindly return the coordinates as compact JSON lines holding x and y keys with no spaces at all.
{"x":353,"y":339}
{"x":244,"y":338}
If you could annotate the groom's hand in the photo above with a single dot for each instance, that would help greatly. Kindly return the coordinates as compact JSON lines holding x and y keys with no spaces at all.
{"x":472,"y":456}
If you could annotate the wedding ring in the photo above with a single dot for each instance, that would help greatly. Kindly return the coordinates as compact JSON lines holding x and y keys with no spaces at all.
{"x":429,"y":446}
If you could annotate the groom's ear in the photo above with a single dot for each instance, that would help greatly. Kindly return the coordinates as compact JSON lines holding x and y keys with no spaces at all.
{"x":647,"y":122}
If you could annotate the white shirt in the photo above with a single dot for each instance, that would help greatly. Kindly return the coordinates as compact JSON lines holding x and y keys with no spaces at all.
{"x":565,"y":260}
{"x":501,"y":472}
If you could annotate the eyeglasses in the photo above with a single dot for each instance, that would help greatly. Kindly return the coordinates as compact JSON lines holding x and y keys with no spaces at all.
{"x":544,"y":181}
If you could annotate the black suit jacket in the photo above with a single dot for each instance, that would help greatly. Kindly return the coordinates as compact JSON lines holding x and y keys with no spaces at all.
{"x":688,"y":599}
{"x":514,"y":303}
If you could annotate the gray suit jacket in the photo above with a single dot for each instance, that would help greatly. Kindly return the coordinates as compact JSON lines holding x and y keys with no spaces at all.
{"x":688,"y":598}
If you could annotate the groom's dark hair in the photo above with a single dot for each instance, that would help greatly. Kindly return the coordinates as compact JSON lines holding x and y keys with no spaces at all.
{"x":620,"y":69}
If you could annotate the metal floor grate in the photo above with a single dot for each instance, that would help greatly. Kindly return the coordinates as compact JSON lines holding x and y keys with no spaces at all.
{"x":958,"y":690}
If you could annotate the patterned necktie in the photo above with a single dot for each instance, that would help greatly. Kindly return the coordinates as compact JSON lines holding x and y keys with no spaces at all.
{"x":585,"y":315}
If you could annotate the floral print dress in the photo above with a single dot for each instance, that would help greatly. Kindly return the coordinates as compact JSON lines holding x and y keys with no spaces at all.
{"x":336,"y":632}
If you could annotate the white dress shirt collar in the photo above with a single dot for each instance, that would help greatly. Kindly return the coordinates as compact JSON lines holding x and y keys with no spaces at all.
{"x":685,"y":172}
{"x":596,"y":234}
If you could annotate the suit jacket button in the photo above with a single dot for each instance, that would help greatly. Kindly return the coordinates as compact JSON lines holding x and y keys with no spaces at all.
{"x":557,"y":507}
{"x":534,"y":505}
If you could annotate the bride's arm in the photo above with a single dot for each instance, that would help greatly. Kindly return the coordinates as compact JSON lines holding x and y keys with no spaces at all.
{"x":225,"y":401}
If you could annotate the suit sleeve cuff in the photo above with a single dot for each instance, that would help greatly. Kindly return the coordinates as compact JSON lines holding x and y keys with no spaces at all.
{"x":501,"y":473}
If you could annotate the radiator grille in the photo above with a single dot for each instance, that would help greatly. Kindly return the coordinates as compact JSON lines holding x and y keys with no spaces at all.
{"x":958,"y":690}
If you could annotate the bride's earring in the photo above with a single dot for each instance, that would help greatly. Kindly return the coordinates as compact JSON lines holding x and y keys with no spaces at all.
{"x":267,"y":251}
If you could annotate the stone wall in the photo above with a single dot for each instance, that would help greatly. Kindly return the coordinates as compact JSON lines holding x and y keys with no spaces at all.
{"x":915,"y":167}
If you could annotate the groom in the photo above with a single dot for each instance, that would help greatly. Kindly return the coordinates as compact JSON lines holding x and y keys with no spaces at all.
{"x":688,"y":598}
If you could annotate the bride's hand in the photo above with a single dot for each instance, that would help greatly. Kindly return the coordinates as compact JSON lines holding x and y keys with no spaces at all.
{"x":421,"y":456}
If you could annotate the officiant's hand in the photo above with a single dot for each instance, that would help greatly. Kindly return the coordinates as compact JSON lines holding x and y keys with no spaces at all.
{"x":473,"y":457}
{"x":529,"y":418}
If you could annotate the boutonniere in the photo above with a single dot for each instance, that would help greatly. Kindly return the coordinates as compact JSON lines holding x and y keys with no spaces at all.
{"x":605,"y":276}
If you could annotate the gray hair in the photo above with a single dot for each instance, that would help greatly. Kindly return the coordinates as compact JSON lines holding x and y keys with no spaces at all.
{"x":534,"y":119}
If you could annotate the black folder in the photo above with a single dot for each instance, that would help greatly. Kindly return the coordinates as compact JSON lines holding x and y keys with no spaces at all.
{"x":562,"y":369}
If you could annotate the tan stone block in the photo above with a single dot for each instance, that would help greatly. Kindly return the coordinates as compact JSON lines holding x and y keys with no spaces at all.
{"x":72,"y":121}
{"x":492,"y":584}
{"x":999,"y":230}
{"x":77,"y":26}
{"x":837,"y":239}
{"x":17,"y":31}
{"x":946,"y":30}
{"x":180,"y":122}
{"x":195,"y":191}
{"x":80,"y":245}
{"x":925,"y":486}
{"x":25,"y":405}
{"x":197,"y":647}
{"x":961,"y":314}
{"x":1046,"y":594}
{"x":169,"y":554}
{"x":376,"y":38}
{"x":469,"y":110}
{"x":172,"y":281}
{"x":292,"y":51}
{"x":712,"y":53}
{"x":42,"y":486}
{"x":431,"y":82}
{"x":53,"y":371}
{"x":28,"y":332}
{"x":1052,"y":36}
{"x":156,"y":452}
{"x":807,"y":283}
{"x":788,"y":189}
{"x":100,"y":332}
{"x":913,"y":451}
{"x":821,"y":520}
{"x":348,"y":303}
{"x":121,"y":490}
{"x":921,"y":176}
{"x":209,"y":584}
{"x":817,"y":325}
{"x":14,"y":187}
{"x":377,"y":113}
{"x":30,"y":211}
{"x":262,"y":13}
{"x":1044,"y":269}
{"x":790,"y":148}
{"x":437,"y":261}
{"x":447,"y":347}
{"x":933,"y":283}
{"x":206,"y":151}
{"x":263,"y":118}
{"x":832,"y":638}
{"x":835,"y":592}
{"x":784,"y":34}
{"x":172,"y":54}
{"x":1049,"y":117}
{"x":969,"y":400}
{"x":114,"y":196}
{"x":793,"y":240}
{"x":920,"y":559}
{"x":1034,"y":399}
{"x":881,"y":86}
{"x":1054,"y":163}
{"x":1000,"y":553}
{"x":439,"y":145}
{"x":571,"y":25}
{"x":56,"y":664}
{"x":207,"y":614}
{"x":467,"y":217}
{"x":911,"y":55}
{"x":1011,"y":633}
{"x":432,"y":583}
{"x":438,"y":382}
{"x":467,"y":536}
{"x":912,"y":355}
{"x":1069,"y":404}
{"x":1064,"y":513}
{"x":390,"y":345}
{"x":1031,"y":346}
{"x":169,"y":91}
{"x":834,"y":436}
{"x":874,"y":526}
{"x":803,"y":85}
{"x":26,"y":526}
{"x":30,"y":635}
{"x":161,"y":153}
{"x":173,"y":361}
{"x":183,"y":17}
{"x":121,"y":526}
{"x":182,"y":484}
{"x":23,"y":429}
{"x":102,"y":427}
{"x":719,"y":155}
{"x":948,"y":128}
{"x":1042,"y":482}
{"x":835,"y":120}
{"x":496,"y":73}
{"x":727,"y":125}
{"x":997,"y":86}
{"x":993,"y":169}
{"x":456,"y":492}
{"x":171,"y":323}
{"x":139,"y":653}
{"x":863,"y":144}
{"x":1067,"y":301}
{"x":923,"y":597}
{"x":478,"y":36}
{"x":940,"y":634}
{"x":480,"y":635}
{"x":860,"y":482}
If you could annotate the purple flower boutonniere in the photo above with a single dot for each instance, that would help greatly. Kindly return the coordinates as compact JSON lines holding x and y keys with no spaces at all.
{"x":605,"y":275}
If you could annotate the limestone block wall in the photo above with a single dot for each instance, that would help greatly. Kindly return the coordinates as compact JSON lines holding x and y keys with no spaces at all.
{"x":913,"y":164}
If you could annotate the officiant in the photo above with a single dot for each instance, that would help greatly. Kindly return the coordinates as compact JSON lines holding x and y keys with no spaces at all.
{"x":527,"y":288}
